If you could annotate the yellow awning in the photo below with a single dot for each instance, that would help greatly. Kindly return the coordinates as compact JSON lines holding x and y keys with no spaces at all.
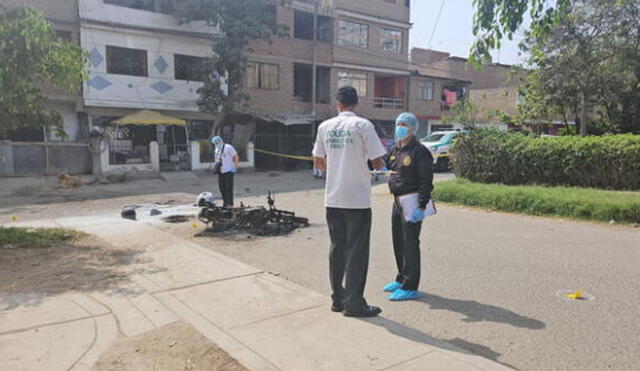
{"x":147,"y":117}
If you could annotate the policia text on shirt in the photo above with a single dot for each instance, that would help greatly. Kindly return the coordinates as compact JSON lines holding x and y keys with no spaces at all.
{"x":343,"y":146}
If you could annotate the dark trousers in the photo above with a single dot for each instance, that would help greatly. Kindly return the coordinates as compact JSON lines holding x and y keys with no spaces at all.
{"x":225,"y":184}
{"x":350,"y":232}
{"x":406,"y":247}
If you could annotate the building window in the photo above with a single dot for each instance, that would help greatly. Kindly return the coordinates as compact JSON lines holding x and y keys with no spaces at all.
{"x":303,"y":83}
{"x":63,"y":35}
{"x":125,"y":61}
{"x":160,"y":6}
{"x":357,"y":80}
{"x":426,"y":90}
{"x":190,"y":68}
{"x":391,"y":40}
{"x":262,"y":76}
{"x":353,"y":34}
{"x":303,"y":27}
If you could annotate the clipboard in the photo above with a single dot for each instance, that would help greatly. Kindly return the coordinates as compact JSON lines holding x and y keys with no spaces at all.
{"x":410,"y":204}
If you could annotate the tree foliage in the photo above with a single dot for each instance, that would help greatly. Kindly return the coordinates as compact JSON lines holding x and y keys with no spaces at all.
{"x":30,"y":55}
{"x":239,"y":22}
{"x":587,"y":67}
{"x":496,"y":19}
{"x":464,"y":112}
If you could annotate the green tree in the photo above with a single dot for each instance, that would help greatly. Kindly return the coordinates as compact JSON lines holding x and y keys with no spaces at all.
{"x":240,"y":22}
{"x":30,"y":55}
{"x":464,"y":112}
{"x":587,"y":64}
{"x":496,"y":19}
{"x":537,"y":107}
{"x":619,"y":80}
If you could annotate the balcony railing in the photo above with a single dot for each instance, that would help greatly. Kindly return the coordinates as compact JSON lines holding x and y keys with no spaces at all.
{"x":388,"y":103}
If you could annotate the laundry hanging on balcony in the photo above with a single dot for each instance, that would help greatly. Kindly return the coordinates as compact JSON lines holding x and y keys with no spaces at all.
{"x":450,"y":97}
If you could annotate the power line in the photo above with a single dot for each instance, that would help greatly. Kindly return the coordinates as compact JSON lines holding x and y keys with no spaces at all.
{"x":435,"y":26}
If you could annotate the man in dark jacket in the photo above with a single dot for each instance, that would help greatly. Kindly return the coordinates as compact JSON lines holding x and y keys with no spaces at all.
{"x":411,"y":183}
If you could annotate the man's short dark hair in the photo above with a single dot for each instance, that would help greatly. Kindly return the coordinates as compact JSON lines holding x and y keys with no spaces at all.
{"x":348,"y":96}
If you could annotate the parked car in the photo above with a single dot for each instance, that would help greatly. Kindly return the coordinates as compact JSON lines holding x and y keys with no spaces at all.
{"x":439,"y":143}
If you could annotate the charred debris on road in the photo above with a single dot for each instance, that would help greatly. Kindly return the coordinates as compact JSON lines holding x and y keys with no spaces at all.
{"x":222,"y":220}
{"x":259,"y":221}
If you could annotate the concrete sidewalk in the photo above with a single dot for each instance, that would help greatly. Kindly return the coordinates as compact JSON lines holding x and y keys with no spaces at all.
{"x":265,"y":322}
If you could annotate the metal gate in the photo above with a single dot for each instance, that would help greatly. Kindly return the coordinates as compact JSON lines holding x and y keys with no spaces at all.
{"x":296,"y":140}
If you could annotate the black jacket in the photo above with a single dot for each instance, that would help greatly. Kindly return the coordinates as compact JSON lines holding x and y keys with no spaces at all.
{"x":412,"y":167}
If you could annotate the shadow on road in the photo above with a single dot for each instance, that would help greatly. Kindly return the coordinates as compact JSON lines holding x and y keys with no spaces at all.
{"x":478,"y":312}
{"x":454,"y":345}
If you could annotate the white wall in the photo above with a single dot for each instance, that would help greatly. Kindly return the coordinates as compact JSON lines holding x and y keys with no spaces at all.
{"x":70,"y":118}
{"x":137,"y":92}
{"x":97,"y":10}
{"x":106,"y":167}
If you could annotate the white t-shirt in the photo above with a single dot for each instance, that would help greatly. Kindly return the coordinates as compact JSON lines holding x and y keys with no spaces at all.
{"x":348,"y":141}
{"x":226,"y":156}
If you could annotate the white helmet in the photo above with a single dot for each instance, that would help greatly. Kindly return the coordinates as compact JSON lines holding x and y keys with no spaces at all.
{"x":204,"y":198}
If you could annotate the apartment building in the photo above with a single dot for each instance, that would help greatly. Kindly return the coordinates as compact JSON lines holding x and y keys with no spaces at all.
{"x":140,"y":58}
{"x":493,"y":88}
{"x":361,"y":43}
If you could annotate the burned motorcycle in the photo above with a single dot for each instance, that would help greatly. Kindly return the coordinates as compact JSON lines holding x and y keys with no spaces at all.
{"x":256,"y":220}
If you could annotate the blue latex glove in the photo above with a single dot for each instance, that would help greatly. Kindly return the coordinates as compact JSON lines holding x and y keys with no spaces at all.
{"x":233,"y":170}
{"x":417,"y":216}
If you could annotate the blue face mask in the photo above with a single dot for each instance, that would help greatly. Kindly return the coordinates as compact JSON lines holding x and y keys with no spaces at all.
{"x":402,"y":132}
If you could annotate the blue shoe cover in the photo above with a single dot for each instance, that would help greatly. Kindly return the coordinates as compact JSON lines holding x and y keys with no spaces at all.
{"x":400,"y":295}
{"x":392,"y":286}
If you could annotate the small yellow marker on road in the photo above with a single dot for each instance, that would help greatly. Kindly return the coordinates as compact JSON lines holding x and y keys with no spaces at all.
{"x":14,"y":218}
{"x":194,"y":225}
{"x":576,"y":295}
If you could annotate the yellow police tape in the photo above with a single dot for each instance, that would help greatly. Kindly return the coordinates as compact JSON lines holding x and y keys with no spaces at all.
{"x":302,"y":158}
{"x":309,"y":158}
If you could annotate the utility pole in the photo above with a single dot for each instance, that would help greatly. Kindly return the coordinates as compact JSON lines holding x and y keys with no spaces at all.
{"x":583,"y":114}
{"x":314,"y":72}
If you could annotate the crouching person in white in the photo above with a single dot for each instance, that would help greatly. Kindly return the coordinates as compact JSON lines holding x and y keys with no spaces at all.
{"x":227,"y":161}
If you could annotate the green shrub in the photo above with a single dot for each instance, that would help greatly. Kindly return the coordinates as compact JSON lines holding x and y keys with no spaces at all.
{"x":578,"y":203}
{"x":493,"y":156}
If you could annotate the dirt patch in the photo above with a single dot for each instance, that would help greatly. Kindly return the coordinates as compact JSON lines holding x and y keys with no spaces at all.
{"x":176,"y":346}
{"x":86,"y":264}
{"x":27,"y":191}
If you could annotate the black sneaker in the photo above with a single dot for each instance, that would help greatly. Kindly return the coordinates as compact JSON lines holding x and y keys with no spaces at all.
{"x":367,"y":311}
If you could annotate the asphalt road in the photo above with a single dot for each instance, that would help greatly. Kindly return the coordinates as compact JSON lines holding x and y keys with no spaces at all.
{"x":490,"y":280}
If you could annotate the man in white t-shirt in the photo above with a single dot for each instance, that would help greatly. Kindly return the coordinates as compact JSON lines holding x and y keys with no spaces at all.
{"x":227,"y":158}
{"x":343,"y":146}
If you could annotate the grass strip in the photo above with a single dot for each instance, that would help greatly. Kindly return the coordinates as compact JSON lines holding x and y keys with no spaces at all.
{"x":35,"y":237}
{"x":569,"y":202}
